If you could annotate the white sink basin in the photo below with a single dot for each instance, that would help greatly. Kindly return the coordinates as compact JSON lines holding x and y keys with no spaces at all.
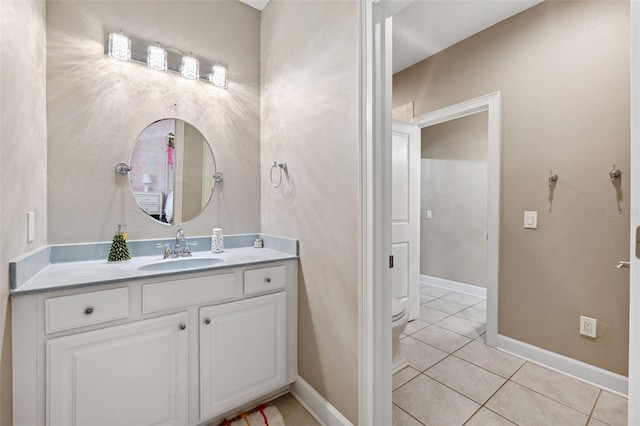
{"x":181,"y":264}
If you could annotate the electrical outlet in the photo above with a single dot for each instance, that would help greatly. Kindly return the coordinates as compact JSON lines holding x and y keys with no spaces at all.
{"x":588,"y":326}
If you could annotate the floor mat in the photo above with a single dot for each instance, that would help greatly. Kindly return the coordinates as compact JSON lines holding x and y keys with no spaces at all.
{"x":264,"y":416}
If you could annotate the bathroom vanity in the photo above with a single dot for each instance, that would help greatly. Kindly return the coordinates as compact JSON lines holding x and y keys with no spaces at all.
{"x":139,"y":345}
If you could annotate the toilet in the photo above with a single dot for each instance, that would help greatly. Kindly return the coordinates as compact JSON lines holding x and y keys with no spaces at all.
{"x":399,"y":317}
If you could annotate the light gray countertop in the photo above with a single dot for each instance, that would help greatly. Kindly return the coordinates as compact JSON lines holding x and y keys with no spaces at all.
{"x":77,"y":265}
{"x":76,"y":274}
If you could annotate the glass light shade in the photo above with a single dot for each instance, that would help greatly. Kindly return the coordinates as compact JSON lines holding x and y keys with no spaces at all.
{"x":190,"y":68}
{"x":157,"y":58}
{"x":119,"y":47}
{"x":219,"y":76}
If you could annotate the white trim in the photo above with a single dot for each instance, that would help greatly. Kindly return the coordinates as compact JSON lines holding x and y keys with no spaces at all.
{"x":374,"y":301}
{"x":321,"y":410}
{"x":634,"y":275}
{"x":491,"y":104}
{"x":563,"y":364}
{"x":454,"y":285}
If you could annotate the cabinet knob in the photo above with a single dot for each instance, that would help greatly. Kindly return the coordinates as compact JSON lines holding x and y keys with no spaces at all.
{"x":183,"y":326}
{"x":88,"y":310}
{"x":268,"y":280}
{"x":207,"y":321}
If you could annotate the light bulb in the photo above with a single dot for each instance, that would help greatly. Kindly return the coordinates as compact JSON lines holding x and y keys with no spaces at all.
{"x":157,"y":58}
{"x":190,"y":68}
{"x":119,"y":46}
{"x":219,"y":76}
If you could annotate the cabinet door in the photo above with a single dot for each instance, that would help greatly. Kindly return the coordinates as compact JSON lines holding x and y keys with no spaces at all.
{"x":133,"y":374}
{"x":242,"y":352}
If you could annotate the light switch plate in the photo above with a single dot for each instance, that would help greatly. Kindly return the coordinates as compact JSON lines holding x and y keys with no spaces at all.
{"x":429,"y":214}
{"x":531,"y":220}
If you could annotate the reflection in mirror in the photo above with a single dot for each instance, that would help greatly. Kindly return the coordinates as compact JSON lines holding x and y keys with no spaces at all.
{"x":172,"y":170}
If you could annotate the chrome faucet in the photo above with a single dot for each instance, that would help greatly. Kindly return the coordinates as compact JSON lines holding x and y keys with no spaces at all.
{"x":177,"y":251}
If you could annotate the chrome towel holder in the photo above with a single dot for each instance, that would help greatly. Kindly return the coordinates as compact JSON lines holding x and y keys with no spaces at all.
{"x":282,"y":168}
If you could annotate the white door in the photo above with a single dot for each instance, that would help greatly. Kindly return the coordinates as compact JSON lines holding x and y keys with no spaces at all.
{"x":405,"y":214}
{"x":109,"y":377}
{"x":242,"y":352}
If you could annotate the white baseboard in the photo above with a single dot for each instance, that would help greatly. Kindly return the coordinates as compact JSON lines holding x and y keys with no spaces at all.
{"x":325,"y":413}
{"x":582,"y":371}
{"x":454,"y":286}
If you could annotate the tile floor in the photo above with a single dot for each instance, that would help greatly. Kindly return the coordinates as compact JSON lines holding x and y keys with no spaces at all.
{"x":453,"y":378}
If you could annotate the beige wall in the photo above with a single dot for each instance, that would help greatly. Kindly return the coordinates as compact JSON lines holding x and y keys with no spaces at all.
{"x":97,"y":106}
{"x":563,"y":71}
{"x":310,"y":121}
{"x":453,"y":243}
{"x":23,"y":155}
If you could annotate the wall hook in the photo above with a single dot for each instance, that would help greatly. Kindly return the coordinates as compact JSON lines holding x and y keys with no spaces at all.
{"x":552,"y":178}
{"x":614,"y":173}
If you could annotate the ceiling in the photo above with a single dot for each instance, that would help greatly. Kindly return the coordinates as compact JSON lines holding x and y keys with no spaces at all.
{"x":422,"y":28}
{"x":425,"y":27}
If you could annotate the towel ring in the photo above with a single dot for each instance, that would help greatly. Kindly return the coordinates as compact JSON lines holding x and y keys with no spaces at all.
{"x":281,"y":167}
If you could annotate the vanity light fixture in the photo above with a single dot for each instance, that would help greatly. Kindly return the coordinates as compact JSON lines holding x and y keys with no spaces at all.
{"x":157,"y":58}
{"x":119,"y":46}
{"x":219,"y":76}
{"x":190,"y":67}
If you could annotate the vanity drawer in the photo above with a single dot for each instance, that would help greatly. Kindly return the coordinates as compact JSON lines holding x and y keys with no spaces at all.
{"x":79,"y":310}
{"x":190,"y":291}
{"x":265,"y":279}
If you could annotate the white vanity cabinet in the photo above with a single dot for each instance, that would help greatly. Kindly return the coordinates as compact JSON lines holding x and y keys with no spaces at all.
{"x":243,"y":351}
{"x":132,"y":374}
{"x":183,"y":349}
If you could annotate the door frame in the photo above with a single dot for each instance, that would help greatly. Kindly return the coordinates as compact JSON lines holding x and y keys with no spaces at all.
{"x":374,"y":325}
{"x":491,"y":104}
{"x":634,"y":274}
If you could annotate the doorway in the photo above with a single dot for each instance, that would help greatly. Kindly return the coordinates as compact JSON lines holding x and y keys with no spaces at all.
{"x":490,"y":105}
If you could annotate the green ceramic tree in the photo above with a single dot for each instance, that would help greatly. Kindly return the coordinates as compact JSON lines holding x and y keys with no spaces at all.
{"x":119,"y":251}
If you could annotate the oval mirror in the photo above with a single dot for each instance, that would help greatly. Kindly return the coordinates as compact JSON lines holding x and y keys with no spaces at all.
{"x":172,"y":171}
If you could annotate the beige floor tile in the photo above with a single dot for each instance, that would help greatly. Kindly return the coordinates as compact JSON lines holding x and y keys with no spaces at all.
{"x":482,"y":338}
{"x":471,"y":381}
{"x":420,"y":355}
{"x":462,"y":326}
{"x":401,"y":418}
{"x":433,"y":403}
{"x":490,"y":359}
{"x":415,"y":325}
{"x":482,"y":306}
{"x":463,"y":299}
{"x":432,"y":291}
{"x":430,"y":315}
{"x":486,"y":417}
{"x":562,"y":388}
{"x":611,"y":409}
{"x":445,"y":340}
{"x":596,"y":422}
{"x":424,"y":298}
{"x":403,"y":376}
{"x":473,"y":314}
{"x":293,"y":412}
{"x":526,"y":407}
{"x":444,"y":306}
